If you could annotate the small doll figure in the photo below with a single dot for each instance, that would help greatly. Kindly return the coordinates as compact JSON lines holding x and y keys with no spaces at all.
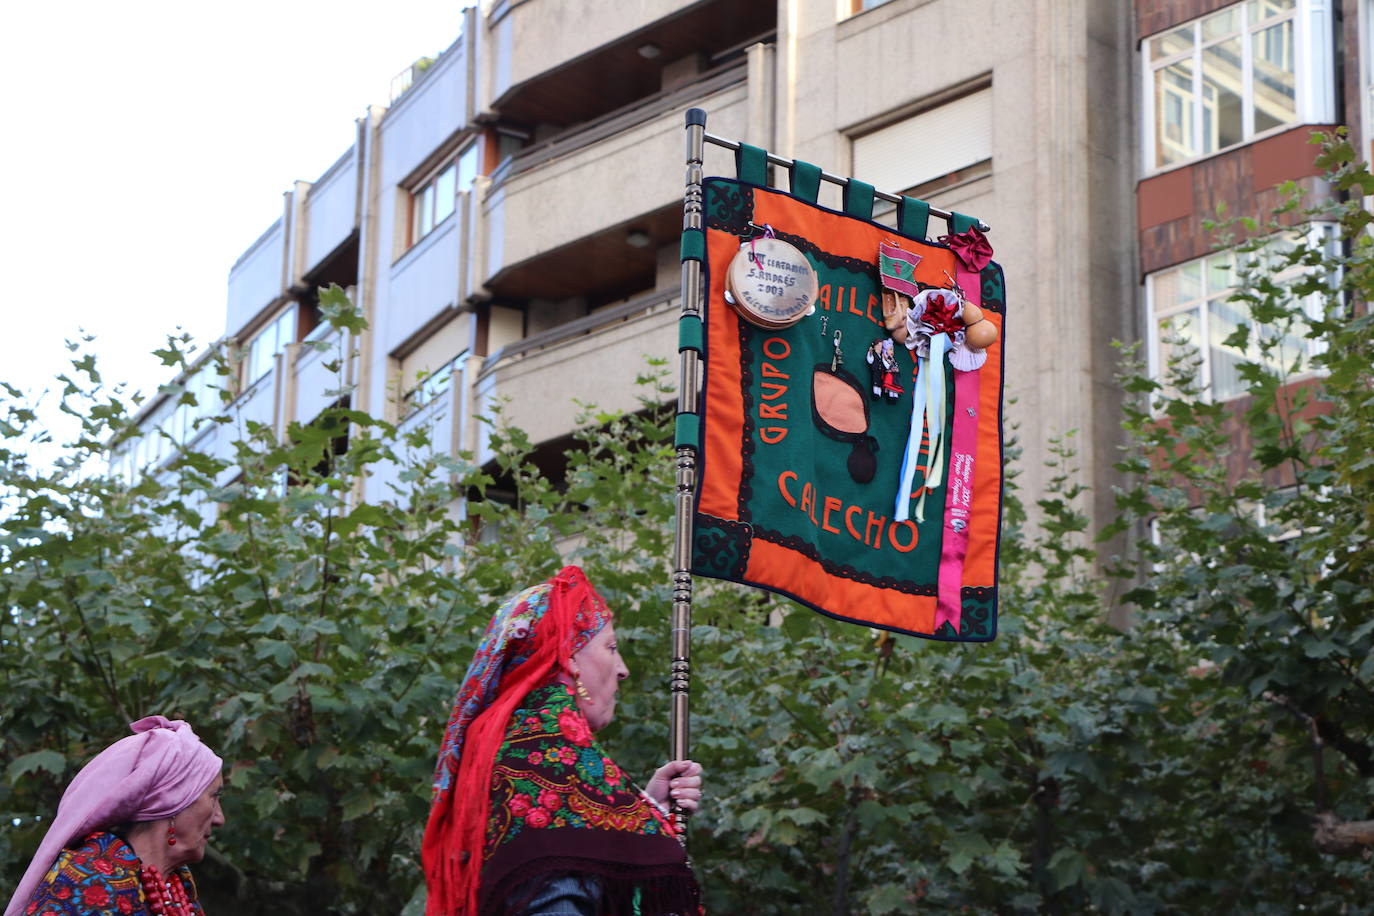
{"x":882,"y":369}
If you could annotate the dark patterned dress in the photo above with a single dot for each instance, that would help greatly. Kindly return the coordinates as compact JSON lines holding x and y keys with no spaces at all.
{"x":98,"y":878}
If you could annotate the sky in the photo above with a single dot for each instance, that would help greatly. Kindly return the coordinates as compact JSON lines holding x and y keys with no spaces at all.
{"x":147,"y":144}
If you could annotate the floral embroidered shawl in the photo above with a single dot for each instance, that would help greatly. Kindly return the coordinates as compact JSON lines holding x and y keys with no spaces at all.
{"x":98,"y":876}
{"x":560,"y":805}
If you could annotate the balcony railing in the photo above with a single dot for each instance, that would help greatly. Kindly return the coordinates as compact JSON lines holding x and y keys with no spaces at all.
{"x":580,"y":327}
{"x":648,"y":108}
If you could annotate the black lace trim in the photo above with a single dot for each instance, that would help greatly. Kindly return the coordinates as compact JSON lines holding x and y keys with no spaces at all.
{"x":746,"y":369}
{"x":729,"y":207}
{"x":842,"y":570}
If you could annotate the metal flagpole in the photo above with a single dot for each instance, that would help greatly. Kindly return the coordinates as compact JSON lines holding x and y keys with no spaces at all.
{"x":689,"y":379}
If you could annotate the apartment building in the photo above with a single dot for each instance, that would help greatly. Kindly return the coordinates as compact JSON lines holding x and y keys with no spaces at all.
{"x":509,"y":223}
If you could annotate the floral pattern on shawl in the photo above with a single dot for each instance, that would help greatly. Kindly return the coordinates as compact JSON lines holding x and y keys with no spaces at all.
{"x":551,"y":773}
{"x":98,"y":878}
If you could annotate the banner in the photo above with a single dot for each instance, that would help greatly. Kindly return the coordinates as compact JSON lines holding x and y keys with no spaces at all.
{"x":832,"y":471}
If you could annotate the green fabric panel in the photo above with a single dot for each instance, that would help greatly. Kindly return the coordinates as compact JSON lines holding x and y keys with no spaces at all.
{"x":858,"y":199}
{"x":687,"y":430}
{"x":693,"y":245}
{"x":806,"y":180}
{"x":690,"y":333}
{"x":751,"y":164}
{"x":959,"y":223}
{"x":913,"y":217}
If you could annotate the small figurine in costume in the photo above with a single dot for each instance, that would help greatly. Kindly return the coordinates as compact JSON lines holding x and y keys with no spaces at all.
{"x":882,"y":368}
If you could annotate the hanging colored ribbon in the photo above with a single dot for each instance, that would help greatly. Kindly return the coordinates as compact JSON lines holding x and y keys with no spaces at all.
{"x":935,"y":420}
{"x":913,"y":443}
{"x":928,"y":405}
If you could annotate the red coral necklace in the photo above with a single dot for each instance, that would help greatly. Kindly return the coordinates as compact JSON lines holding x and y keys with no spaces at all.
{"x":164,"y":895}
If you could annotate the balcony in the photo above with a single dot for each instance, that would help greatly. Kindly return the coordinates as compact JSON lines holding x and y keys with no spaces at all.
{"x":424,"y":282}
{"x":558,"y":63}
{"x":330,"y":210}
{"x":438,"y":105}
{"x":257,"y":279}
{"x":314,"y":379}
{"x":257,"y":404}
{"x":557,"y":216}
{"x":438,"y":419}
{"x":594,"y":360}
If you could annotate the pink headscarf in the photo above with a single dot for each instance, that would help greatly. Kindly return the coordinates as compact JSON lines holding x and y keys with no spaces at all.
{"x":156,"y":772}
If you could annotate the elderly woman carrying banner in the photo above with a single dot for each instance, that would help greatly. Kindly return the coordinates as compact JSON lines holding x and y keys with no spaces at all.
{"x":126,"y":829}
{"x":530,"y":815}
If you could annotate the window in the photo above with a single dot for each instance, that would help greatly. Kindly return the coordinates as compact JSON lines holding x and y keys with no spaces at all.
{"x":935,"y":148}
{"x":203,"y":386}
{"x":430,"y":385}
{"x":1191,"y":315}
{"x":270,"y":341}
{"x":858,"y":6}
{"x":1234,"y":74}
{"x":434,"y":201}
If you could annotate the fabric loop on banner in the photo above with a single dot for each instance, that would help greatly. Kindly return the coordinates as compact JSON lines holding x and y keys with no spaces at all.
{"x":687,"y":431}
{"x":913,"y":217}
{"x":805,"y":180}
{"x":751,"y":164}
{"x":690,"y":333}
{"x":858,"y":199}
{"x":960,"y":223}
{"x":693,"y":245}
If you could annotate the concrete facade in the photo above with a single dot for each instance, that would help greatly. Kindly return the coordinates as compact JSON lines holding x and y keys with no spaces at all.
{"x":553,"y":268}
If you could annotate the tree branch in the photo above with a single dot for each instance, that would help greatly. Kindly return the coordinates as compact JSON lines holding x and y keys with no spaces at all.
{"x":1314,"y":733}
{"x":1338,"y":838}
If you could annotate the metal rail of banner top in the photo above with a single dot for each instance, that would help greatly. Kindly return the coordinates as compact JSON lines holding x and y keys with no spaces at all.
{"x":827,"y":176}
{"x":687,"y":433}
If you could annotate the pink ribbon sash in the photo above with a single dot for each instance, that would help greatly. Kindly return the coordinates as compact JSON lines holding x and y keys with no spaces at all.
{"x":963,"y":447}
{"x":958,"y":499}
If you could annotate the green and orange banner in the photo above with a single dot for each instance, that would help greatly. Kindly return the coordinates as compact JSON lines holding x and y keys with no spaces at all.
{"x":811,"y":491}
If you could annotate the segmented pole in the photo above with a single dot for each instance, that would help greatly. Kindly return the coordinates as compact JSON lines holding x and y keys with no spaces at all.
{"x":688,"y":406}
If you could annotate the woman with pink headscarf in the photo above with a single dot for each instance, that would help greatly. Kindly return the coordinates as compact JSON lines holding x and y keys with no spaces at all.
{"x":126,"y":829}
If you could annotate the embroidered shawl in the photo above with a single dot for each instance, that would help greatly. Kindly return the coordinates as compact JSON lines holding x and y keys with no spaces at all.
{"x":98,"y":876}
{"x":560,"y":805}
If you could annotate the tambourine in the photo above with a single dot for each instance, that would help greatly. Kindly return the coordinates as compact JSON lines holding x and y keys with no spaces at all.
{"x":771,"y":284}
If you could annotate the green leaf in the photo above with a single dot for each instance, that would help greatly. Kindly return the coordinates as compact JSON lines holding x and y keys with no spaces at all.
{"x":46,"y":760}
{"x":1068,"y":867}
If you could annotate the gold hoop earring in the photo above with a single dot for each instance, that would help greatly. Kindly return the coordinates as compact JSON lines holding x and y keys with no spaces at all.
{"x":582,"y":690}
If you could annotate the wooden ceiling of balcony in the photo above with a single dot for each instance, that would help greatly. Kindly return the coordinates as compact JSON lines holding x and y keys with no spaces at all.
{"x":600,"y":266}
{"x":616,"y":74}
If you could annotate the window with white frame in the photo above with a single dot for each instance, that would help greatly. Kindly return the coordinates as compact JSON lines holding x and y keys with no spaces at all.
{"x":941,"y":146}
{"x":1240,"y":72}
{"x":267,"y":343}
{"x":1192,"y":316}
{"x":428,"y":386}
{"x":434,"y":201}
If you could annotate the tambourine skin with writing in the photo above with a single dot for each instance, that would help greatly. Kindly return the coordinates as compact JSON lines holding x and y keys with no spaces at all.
{"x":771,"y":284}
